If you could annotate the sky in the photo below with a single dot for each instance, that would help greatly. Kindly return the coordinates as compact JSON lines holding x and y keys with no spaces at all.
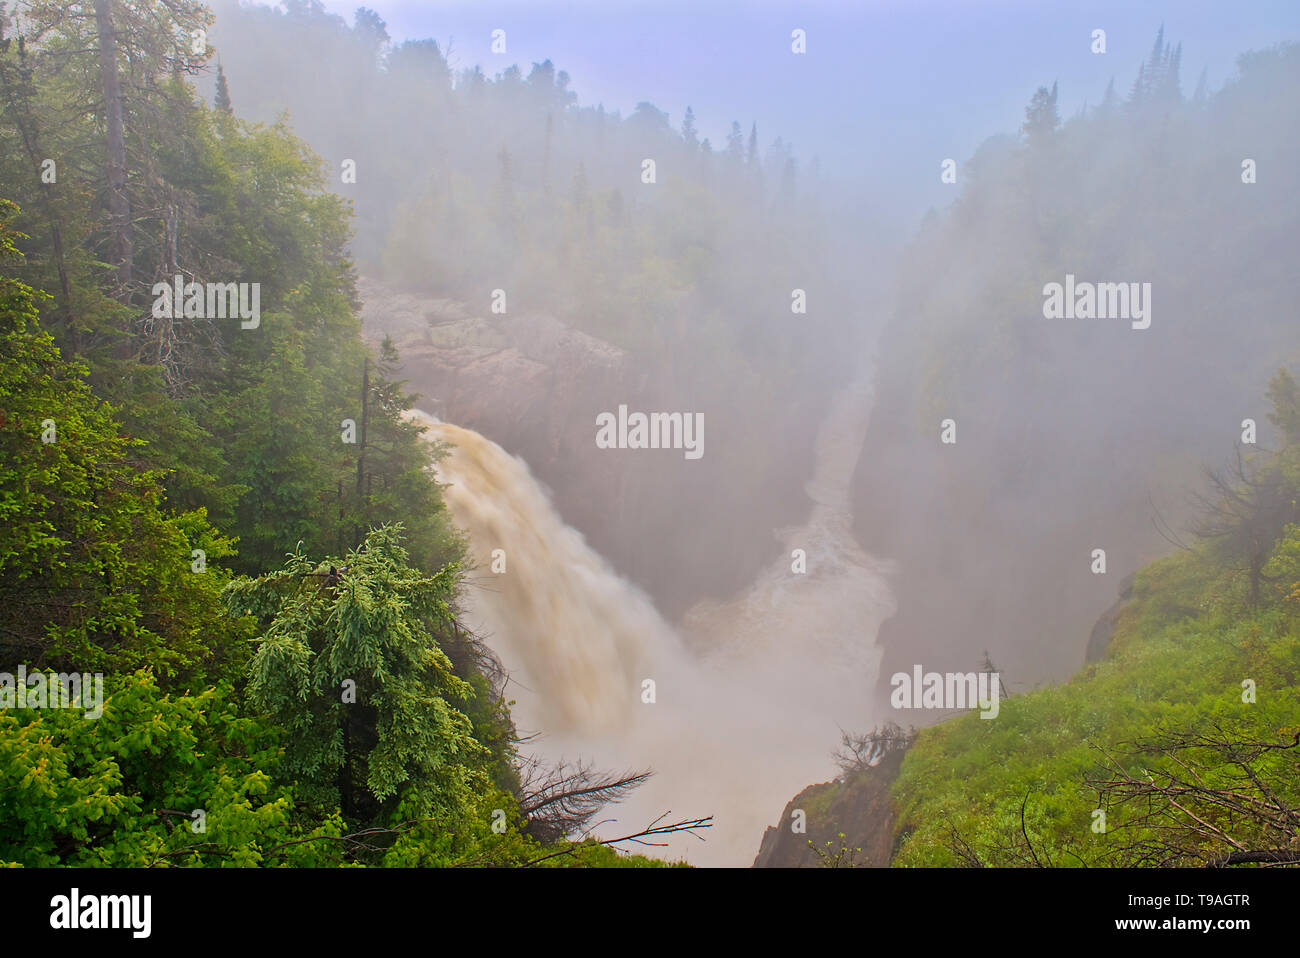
{"x":887,"y":88}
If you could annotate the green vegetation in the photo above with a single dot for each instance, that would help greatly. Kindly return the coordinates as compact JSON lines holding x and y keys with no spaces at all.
{"x":237,"y":525}
{"x":1077,"y":434}
{"x":1187,"y":735}
{"x":469,"y":181}
{"x":94,"y":569}
{"x":273,"y":606}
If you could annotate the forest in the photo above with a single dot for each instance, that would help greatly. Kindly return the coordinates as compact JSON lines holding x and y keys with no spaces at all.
{"x":228,"y":550}
{"x":273,"y":609}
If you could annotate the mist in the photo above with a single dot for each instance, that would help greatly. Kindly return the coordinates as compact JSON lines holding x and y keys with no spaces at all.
{"x":722,"y":363}
{"x":921,"y":229}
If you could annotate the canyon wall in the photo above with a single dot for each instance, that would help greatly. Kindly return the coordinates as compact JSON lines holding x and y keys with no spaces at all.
{"x":682,"y":530}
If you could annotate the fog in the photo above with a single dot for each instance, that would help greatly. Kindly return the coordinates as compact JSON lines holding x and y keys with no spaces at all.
{"x":798,"y":266}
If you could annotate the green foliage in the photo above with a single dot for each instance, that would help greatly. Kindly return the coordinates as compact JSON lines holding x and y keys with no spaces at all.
{"x":169,"y":435}
{"x":1171,"y":695}
{"x":969,"y":777}
{"x":1041,"y":118}
{"x":94,"y":573}
{"x":121,"y":790}
{"x":507,"y":182}
{"x":1283,"y":568}
{"x":348,"y":664}
{"x":838,"y":857}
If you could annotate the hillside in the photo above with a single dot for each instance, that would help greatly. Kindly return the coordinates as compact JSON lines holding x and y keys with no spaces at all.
{"x":1180,"y":747}
{"x":1077,"y":434}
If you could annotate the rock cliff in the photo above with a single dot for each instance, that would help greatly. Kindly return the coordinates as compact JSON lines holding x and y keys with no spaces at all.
{"x":854,"y":813}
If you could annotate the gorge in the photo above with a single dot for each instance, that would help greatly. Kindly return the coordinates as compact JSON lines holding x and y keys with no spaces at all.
{"x":749,"y":691}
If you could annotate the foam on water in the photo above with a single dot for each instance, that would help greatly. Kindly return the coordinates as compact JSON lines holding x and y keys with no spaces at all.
{"x":750,"y":693}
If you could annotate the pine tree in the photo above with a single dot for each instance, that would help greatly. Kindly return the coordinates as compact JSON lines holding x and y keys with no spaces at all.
{"x":1138,"y":93}
{"x":688,"y":130}
{"x":736,"y":143}
{"x":349,"y":665}
{"x":223,"y":92}
{"x":1110,"y":99}
{"x":94,"y":574}
{"x":1158,"y":78}
{"x":119,"y":201}
{"x":1157,"y":59}
{"x":1172,"y":82}
{"x":128,"y":52}
{"x":1041,"y":118}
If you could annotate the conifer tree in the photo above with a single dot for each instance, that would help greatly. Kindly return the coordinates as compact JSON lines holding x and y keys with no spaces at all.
{"x":1041,"y":117}
{"x":349,"y":665}
{"x":735,"y":143}
{"x":94,"y":574}
{"x":689,"y":134}
{"x":223,"y":92}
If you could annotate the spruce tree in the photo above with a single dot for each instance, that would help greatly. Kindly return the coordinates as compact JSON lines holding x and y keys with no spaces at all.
{"x":223,"y":92}
{"x":689,"y":134}
{"x":348,"y":664}
{"x":94,"y":573}
{"x":1041,"y":117}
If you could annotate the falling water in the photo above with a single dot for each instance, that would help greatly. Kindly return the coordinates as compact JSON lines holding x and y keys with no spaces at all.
{"x":749,"y":693}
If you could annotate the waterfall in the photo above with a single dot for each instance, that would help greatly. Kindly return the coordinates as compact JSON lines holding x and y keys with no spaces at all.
{"x":749,"y":694}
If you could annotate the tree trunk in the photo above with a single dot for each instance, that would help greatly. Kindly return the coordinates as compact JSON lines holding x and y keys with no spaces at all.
{"x":119,"y":203}
{"x":365,"y":422}
{"x":56,"y":233}
{"x":361,"y":454}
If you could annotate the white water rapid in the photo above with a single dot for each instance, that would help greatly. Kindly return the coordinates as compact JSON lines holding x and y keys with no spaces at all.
{"x":750,"y":693}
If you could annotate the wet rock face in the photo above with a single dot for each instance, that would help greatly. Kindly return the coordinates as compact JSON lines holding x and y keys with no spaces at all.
{"x":858,"y":807}
{"x":522,"y":378}
{"x":529,"y":383}
{"x":534,"y":385}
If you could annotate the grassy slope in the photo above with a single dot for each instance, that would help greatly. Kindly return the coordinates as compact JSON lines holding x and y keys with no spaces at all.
{"x":1181,"y":649}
